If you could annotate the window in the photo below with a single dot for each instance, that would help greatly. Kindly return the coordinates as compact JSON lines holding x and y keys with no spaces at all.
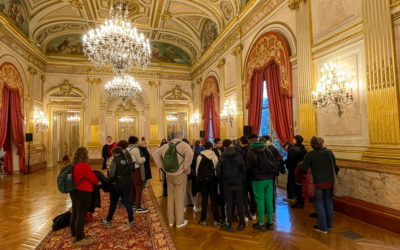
{"x":266,"y":125}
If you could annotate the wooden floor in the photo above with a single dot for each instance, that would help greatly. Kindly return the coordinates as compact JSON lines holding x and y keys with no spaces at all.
{"x":28,"y":203}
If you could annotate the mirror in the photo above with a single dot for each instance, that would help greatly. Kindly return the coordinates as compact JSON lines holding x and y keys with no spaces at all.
{"x":127,"y":126}
{"x":176,"y":121}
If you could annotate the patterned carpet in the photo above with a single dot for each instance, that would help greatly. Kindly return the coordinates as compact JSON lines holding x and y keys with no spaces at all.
{"x":150,"y":232}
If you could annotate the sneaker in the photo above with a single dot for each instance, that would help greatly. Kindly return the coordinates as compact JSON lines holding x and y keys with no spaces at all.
{"x":171,"y":225}
{"x":217,"y":223}
{"x":203,"y":222}
{"x":269,"y":226}
{"x":316,"y":228}
{"x":141,"y":210}
{"x":246,"y":219}
{"x":196,"y":209}
{"x":185,"y":222}
{"x":253,"y":216}
{"x":85,"y":242}
{"x":227,"y":228}
{"x":259,"y":227}
{"x":131,"y":223}
{"x":241,"y":227}
{"x":134,"y":206}
{"x":289,"y":200}
{"x":106,"y":222}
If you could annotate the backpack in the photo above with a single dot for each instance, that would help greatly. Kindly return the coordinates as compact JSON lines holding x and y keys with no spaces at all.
{"x":61,"y":221}
{"x":232,"y":174}
{"x":170,"y":160}
{"x":123,"y":172}
{"x":265,"y":165}
{"x":206,"y":171}
{"x":65,"y":180}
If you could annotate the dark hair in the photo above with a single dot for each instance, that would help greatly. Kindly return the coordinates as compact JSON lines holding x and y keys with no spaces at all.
{"x":317,"y":142}
{"x":133,"y":139}
{"x":253,"y":136}
{"x":109,"y":137}
{"x":244,"y":140}
{"x":207,"y":145}
{"x":197,"y":143}
{"x":163,"y":142}
{"x":80,"y":155}
{"x":226,"y":143}
{"x":186,"y":140}
{"x":116,"y":151}
{"x":123,"y":144}
{"x":267,"y":137}
{"x":299,"y":139}
{"x":216,"y":140}
{"x":286,"y":143}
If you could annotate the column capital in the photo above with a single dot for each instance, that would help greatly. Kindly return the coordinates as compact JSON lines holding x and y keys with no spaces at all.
{"x":154,"y":83}
{"x":294,"y":4}
{"x":32,"y":70}
{"x":199,"y":80}
{"x":92,"y":79}
{"x":237,"y":49}
{"x":221,"y":63}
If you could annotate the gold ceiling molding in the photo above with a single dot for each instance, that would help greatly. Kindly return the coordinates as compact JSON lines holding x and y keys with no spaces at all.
{"x":350,"y":37}
{"x":294,"y":4}
{"x":177,"y":94}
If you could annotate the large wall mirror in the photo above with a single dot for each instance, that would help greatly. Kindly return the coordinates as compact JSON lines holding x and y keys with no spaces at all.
{"x":127,"y":120}
{"x":176,"y":122}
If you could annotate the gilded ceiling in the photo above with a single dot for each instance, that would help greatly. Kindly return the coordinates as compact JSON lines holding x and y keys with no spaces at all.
{"x":183,"y":28}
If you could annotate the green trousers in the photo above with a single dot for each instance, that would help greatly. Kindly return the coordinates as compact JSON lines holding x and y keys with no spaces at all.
{"x":263,"y":194}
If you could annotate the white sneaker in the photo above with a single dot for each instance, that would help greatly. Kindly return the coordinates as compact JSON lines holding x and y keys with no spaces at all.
{"x":253,"y":216}
{"x":197,"y":209}
{"x":171,"y":225}
{"x":185,"y":222}
{"x":184,"y":210}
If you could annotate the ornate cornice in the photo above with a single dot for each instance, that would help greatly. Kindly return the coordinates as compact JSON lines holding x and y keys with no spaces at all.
{"x":154,"y":83}
{"x":294,"y":4}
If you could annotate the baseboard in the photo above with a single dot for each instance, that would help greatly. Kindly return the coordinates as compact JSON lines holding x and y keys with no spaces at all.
{"x":377,"y":215}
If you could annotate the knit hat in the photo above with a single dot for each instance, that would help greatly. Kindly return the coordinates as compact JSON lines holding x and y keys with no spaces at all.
{"x":299,"y":139}
{"x":258,"y":144}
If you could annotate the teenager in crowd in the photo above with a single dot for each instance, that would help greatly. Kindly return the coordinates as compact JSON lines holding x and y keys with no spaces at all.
{"x":165,"y":192}
{"x":230,"y":173}
{"x":81,"y":198}
{"x":190,"y":197}
{"x":120,"y":176}
{"x":206,"y":165}
{"x":197,"y":146}
{"x":106,"y":152}
{"x":263,"y":168}
{"x":147,"y":169}
{"x":137,"y":187}
{"x":218,"y":147}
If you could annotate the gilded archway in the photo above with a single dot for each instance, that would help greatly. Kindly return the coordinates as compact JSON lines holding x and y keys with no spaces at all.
{"x":210,"y":88}
{"x":11,"y":78}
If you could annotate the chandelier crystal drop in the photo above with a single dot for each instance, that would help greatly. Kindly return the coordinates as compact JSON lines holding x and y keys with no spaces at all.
{"x":117,"y":43}
{"x":74,"y":119}
{"x":126,"y":119}
{"x":123,"y":87}
{"x":333,"y":90}
{"x":40,"y":121}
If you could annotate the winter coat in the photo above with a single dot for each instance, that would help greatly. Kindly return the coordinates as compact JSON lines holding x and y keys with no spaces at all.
{"x":210,"y":155}
{"x":296,"y":154}
{"x":254,"y":166}
{"x":320,"y":162}
{"x":147,"y":168}
{"x":230,"y":154}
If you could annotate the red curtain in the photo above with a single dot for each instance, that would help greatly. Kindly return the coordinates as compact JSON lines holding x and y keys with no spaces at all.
{"x":11,"y":121}
{"x":280,"y":105}
{"x":255,"y":104}
{"x":206,"y":115}
{"x":215,"y":120}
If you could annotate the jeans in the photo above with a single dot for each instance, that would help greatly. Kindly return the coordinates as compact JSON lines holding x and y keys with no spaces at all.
{"x":324,"y":208}
{"x":114,"y":197}
{"x":209,"y":189}
{"x":263,"y":192}
{"x":230,"y":194}
{"x":81,"y":201}
{"x":291,"y":185}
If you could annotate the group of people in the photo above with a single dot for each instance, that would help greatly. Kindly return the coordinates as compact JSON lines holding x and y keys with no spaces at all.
{"x":127,"y":169}
{"x":241,"y":177}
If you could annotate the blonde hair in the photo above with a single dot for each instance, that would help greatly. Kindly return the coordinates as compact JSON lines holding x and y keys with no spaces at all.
{"x":81,"y":155}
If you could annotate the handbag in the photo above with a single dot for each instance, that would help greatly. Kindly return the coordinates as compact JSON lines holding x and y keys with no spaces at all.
{"x":337,"y":187}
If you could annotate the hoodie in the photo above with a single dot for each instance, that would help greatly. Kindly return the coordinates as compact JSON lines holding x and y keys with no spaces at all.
{"x":210,"y":155}
{"x":230,"y":168}
{"x":260,"y":162}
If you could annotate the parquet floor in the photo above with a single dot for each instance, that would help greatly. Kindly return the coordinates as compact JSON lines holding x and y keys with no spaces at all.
{"x":28,"y":203}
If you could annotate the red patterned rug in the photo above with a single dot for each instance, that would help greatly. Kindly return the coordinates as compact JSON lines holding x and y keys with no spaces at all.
{"x":150,"y":232}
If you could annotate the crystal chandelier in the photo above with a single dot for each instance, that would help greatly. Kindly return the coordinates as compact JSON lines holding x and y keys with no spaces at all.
{"x":333,"y":90}
{"x":117,"y":43}
{"x":40,"y":121}
{"x":124,"y":87}
{"x":74,"y":119}
{"x":228,"y":112}
{"x":195,"y":119}
{"x":172,"y":118}
{"x":126,"y":119}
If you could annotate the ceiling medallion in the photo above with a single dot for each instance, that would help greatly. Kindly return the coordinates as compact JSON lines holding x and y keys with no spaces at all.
{"x":124,"y":87}
{"x":117,"y":43}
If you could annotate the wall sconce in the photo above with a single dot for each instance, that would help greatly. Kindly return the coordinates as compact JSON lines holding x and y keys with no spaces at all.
{"x":333,"y":90}
{"x":40,"y":121}
{"x":195,"y":119}
{"x":228,"y":112}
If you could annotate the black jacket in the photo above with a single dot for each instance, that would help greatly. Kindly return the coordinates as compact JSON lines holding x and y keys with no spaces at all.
{"x":320,"y":162}
{"x":230,"y":169}
{"x":217,"y":152}
{"x":296,"y":154}
{"x":269,"y":166}
{"x":147,"y":169}
{"x":243,"y":151}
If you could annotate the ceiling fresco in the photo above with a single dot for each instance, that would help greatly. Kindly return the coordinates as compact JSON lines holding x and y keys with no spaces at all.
{"x":188,"y":26}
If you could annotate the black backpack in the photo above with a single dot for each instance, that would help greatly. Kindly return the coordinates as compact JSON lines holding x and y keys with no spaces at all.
{"x":232,"y":174}
{"x":206,"y":171}
{"x":123,"y":172}
{"x":266,"y":164}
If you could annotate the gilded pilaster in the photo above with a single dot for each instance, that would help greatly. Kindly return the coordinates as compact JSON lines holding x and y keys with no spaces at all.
{"x":154,"y":111}
{"x":308,"y":121}
{"x":237,"y":52}
{"x":30,"y":85}
{"x":198,"y":103}
{"x":94,"y":107}
{"x":382,"y":85}
{"x":221,"y":66}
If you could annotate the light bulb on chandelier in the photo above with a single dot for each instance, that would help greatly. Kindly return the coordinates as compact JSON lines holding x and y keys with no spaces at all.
{"x":117,"y":43}
{"x":74,"y":119}
{"x":172,"y":118}
{"x":228,"y":112}
{"x":124,"y":87}
{"x":126,"y":120}
{"x":40,"y":121}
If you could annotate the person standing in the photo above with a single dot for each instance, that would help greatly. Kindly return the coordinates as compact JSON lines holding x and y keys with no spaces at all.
{"x":175,"y":159}
{"x":136,"y":176}
{"x":230,"y":174}
{"x":322,"y":162}
{"x":263,"y":168}
{"x":218,"y":147}
{"x":81,"y":198}
{"x":106,"y":152}
{"x":120,"y":172}
{"x":206,"y":165}
{"x":145,"y":152}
